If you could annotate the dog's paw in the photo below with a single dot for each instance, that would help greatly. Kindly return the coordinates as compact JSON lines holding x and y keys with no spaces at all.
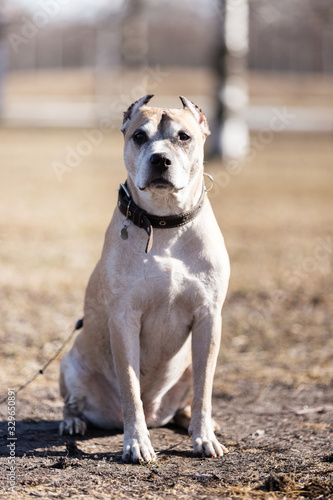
{"x":138,"y":451}
{"x":73,"y":425}
{"x":205,"y":443}
{"x":208,"y":448}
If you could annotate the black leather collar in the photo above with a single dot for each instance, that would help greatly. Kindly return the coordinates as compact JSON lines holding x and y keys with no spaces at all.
{"x":147,"y":221}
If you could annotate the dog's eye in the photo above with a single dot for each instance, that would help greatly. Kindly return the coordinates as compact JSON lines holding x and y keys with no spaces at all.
{"x":139,"y":137}
{"x":183,"y":137}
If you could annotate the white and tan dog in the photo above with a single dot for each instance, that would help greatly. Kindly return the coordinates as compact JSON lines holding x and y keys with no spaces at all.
{"x":152,"y":319}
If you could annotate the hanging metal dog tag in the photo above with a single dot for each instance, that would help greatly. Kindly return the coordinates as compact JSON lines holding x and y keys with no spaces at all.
{"x":124,"y":232}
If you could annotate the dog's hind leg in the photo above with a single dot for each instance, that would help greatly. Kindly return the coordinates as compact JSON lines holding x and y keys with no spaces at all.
{"x":183,"y":417}
{"x":73,"y":420}
{"x":176,"y":404}
{"x":88,"y":396}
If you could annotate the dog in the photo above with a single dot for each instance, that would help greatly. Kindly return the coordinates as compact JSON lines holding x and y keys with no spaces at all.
{"x":152,"y":316}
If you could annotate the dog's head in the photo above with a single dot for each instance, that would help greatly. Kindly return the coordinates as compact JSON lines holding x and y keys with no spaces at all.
{"x":164,"y":147}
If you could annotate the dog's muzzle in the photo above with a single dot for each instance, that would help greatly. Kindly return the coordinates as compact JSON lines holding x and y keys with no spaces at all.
{"x":159,"y":173}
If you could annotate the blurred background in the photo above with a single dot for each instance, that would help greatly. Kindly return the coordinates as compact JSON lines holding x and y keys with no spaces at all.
{"x":262,"y":70}
{"x":77,"y":63}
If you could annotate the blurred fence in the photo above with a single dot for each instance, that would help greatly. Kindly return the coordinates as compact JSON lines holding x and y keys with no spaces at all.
{"x":290,"y":36}
{"x":287,"y":35}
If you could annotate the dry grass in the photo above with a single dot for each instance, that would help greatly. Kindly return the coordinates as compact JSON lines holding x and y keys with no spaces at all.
{"x":85,"y":83}
{"x":264,"y":89}
{"x":276,"y":218}
{"x":275,"y":215}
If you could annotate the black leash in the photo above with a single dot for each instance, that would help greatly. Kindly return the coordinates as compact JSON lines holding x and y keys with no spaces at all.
{"x":78,"y":326}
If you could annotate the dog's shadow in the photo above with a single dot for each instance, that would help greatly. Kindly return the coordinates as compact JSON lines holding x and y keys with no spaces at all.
{"x":41,"y":439}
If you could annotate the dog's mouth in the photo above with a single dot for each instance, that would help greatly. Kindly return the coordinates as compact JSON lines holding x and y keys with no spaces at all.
{"x":159,"y":183}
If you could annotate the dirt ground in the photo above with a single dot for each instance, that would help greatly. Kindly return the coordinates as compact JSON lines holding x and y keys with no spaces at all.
{"x":273,"y":391}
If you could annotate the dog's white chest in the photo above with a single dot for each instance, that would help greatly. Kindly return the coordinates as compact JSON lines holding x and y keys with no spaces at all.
{"x":169,"y":285}
{"x":163,"y":292}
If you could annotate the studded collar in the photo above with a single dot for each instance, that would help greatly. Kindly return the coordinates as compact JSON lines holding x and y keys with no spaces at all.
{"x":147,"y":221}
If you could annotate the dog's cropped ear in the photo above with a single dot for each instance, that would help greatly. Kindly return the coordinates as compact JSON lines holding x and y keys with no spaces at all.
{"x":134,"y":108}
{"x":198,"y":115}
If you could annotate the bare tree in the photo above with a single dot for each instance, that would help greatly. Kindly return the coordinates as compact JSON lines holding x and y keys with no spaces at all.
{"x":230,"y":133}
{"x":3,"y":55}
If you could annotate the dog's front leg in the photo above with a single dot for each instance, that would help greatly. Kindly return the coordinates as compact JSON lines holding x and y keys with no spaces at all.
{"x":125,"y":346}
{"x":206,"y":336}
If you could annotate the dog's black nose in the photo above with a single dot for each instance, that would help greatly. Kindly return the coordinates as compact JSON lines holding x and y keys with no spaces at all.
{"x":160,"y":161}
